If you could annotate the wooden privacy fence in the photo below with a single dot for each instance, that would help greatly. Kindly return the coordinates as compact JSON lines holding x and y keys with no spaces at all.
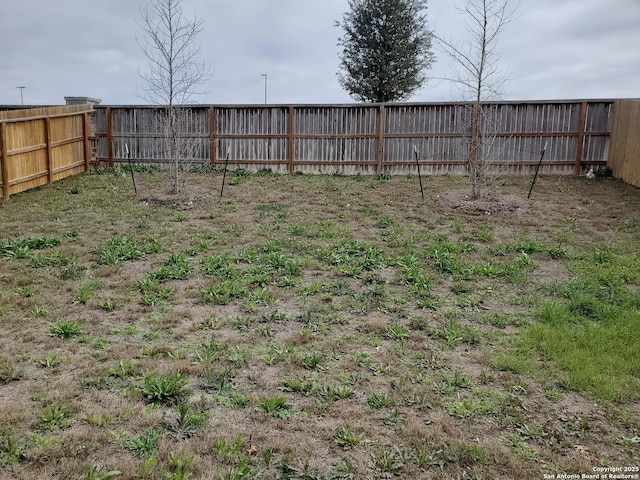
{"x":624,"y":154}
{"x":368,"y":139}
{"x":42,"y":145}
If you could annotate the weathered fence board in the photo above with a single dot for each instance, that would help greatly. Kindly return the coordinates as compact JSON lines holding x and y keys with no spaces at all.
{"x":42,"y":145}
{"x":366,"y":139}
{"x":624,"y":154}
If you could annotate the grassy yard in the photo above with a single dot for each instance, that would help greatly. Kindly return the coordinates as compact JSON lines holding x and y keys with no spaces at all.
{"x":318,"y":327}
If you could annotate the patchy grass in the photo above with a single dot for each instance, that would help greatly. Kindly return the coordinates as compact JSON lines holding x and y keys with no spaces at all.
{"x":325,"y":327}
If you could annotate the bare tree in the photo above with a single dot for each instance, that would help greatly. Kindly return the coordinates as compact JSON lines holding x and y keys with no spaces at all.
{"x":478,"y":77}
{"x":175,"y":70}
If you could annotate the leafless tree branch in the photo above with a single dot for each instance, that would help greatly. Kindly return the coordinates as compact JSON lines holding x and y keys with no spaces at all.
{"x":477,"y":75}
{"x":175,"y":71}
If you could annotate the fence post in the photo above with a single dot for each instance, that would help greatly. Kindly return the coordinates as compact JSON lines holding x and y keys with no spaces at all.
{"x":581,"y":135}
{"x":47,"y":139}
{"x":212,"y":135}
{"x":292,"y":142}
{"x":109,"y":138}
{"x":3,"y":154}
{"x":86,"y":130}
{"x":381,"y":131}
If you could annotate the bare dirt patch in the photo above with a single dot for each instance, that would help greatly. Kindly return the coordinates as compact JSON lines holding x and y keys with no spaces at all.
{"x":488,"y":204}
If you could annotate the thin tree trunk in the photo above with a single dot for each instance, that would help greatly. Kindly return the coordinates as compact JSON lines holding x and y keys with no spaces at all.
{"x":175,"y":154}
{"x":476,"y":129}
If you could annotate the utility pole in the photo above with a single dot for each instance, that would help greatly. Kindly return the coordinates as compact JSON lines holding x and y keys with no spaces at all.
{"x":265,"y":87}
{"x":21,"y":97}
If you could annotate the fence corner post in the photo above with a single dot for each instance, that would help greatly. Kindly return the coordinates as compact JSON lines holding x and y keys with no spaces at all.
{"x":5,"y":167}
{"x":86,"y":132}
{"x":49,"y":149}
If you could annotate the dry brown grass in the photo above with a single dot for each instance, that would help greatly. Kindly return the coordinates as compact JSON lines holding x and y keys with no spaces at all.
{"x":373,"y":332}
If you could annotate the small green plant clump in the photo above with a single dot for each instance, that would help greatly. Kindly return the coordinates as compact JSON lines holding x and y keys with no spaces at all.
{"x":17,"y":249}
{"x":11,"y":450}
{"x":275,"y":406}
{"x":124,"y":247}
{"x":144,"y":444}
{"x":169,"y":388}
{"x":176,"y":267}
{"x":66,"y":329}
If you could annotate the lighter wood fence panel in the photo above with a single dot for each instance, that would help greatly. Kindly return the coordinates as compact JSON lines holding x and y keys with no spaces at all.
{"x":624,"y":154}
{"x":254,"y":137}
{"x":336,"y":139}
{"x":367,"y":138}
{"x":41,"y":145}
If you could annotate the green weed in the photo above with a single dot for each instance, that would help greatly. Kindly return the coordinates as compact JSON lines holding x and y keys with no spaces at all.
{"x":144,"y":444}
{"x":275,"y":406}
{"x":377,"y":400}
{"x":48,"y":361}
{"x":123,"y":369}
{"x":190,"y":419}
{"x":19,"y":249}
{"x":181,"y":465}
{"x":169,"y":388}
{"x":28,"y":291}
{"x":123,"y":248}
{"x":223,"y":292}
{"x":65,"y":330}
{"x":97,"y":420}
{"x":109,"y":305}
{"x":39,"y":312}
{"x":11,"y":451}
{"x":218,"y":381}
{"x":8,"y":372}
{"x":225,"y":450}
{"x":346,"y":438}
{"x":219,"y":266}
{"x":55,"y":416}
{"x":485,"y":233}
{"x":96,"y":473}
{"x":176,"y":267}
{"x":312,"y":361}
{"x":471,"y":408}
{"x":354,"y":257}
{"x":390,"y":462}
{"x":73,"y":234}
{"x":86,"y":291}
{"x":396,"y":331}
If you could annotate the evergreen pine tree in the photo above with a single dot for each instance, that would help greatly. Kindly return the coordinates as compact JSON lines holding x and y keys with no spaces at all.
{"x":386,"y":49}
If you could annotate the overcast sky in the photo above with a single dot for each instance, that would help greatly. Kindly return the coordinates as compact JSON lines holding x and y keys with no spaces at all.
{"x":555,"y":49}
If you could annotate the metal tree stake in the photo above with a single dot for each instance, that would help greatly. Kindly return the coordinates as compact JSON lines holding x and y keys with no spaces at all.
{"x":535,"y":177}
{"x":224,"y":175}
{"x":415,"y":150}
{"x":133,"y":178}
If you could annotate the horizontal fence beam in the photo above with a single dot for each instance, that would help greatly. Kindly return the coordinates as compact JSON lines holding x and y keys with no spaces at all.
{"x":42,"y":117}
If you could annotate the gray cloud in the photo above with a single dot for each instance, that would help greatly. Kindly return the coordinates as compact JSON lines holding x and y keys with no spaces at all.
{"x":554,"y":49}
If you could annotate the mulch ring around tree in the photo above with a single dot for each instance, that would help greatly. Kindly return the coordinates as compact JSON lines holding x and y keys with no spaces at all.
{"x":488,"y":204}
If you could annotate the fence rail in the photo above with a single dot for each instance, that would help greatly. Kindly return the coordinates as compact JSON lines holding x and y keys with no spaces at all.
{"x":42,"y":145}
{"x":366,"y":139}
